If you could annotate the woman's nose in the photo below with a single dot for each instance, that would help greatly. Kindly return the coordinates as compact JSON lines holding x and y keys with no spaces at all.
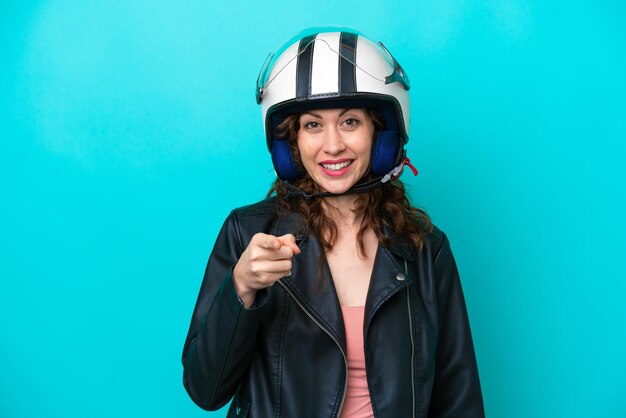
{"x":333,"y":141}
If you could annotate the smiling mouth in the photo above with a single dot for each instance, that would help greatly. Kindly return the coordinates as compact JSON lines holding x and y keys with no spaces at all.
{"x":337,"y":166}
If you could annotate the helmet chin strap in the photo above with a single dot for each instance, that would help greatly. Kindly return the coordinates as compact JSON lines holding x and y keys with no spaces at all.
{"x":356,"y":189}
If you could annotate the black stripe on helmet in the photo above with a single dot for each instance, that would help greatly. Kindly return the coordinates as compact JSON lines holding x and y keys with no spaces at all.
{"x":304,"y":67}
{"x":347,"y":59}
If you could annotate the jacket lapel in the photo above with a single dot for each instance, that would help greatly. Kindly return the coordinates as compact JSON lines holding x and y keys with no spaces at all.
{"x":316,"y":296}
{"x":390,"y":273}
{"x":388,"y":277}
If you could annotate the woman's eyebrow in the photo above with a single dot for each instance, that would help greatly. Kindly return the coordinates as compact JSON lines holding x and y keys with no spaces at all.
{"x":312,"y":114}
{"x":308,"y":112}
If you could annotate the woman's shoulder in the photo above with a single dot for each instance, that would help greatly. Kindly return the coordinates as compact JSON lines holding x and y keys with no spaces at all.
{"x":264,"y":216}
{"x":264,"y":207}
{"x":436,"y":235}
{"x":431,"y":239}
{"x":437,"y":241}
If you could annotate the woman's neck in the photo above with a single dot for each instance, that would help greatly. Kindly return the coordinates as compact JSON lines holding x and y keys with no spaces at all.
{"x":341,"y":210}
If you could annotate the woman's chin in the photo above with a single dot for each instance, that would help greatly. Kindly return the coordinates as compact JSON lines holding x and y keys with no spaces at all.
{"x":336,"y":187}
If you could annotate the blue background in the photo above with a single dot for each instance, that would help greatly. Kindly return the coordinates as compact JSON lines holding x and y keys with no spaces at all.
{"x":129,"y":130}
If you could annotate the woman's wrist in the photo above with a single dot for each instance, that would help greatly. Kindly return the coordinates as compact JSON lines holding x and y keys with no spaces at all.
{"x":245,"y":293}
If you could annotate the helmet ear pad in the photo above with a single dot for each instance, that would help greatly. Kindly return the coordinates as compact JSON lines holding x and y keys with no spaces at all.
{"x":283,"y":162}
{"x":387,"y":152}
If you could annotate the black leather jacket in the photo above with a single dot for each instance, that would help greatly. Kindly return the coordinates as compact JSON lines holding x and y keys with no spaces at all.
{"x":286,"y":356}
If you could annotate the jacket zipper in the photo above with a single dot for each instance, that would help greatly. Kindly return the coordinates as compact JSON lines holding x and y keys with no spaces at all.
{"x":345,"y":358}
{"x":408,"y":304}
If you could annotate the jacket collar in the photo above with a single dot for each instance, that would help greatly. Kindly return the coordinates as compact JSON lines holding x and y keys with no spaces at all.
{"x":291,"y":223}
{"x":399,"y":246}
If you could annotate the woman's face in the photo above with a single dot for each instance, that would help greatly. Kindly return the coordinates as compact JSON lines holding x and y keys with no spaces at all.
{"x":335,"y":146}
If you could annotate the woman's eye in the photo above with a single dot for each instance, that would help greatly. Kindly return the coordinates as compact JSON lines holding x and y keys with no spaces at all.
{"x":311,"y":125}
{"x":351,"y":122}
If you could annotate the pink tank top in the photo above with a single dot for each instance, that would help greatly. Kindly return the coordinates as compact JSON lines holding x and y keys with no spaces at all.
{"x":357,"y":403}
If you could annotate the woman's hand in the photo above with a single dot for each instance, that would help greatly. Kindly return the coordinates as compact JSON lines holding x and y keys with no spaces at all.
{"x":266,"y":260}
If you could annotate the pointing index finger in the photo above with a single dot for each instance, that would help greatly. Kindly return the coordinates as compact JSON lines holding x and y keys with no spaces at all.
{"x":289,"y":240}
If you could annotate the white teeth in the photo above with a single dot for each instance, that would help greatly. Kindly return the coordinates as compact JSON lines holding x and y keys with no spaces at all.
{"x":337,"y":166}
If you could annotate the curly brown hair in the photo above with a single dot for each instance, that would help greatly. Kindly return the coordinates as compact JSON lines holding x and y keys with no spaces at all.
{"x":386,"y":206}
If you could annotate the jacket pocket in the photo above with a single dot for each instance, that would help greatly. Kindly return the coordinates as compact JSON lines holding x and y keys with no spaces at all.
{"x":239,"y":407}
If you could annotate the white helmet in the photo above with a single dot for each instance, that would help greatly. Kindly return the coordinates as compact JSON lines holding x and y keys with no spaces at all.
{"x":334,"y":69}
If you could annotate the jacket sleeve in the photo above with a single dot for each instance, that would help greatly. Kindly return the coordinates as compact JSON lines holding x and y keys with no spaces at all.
{"x":220,"y":342}
{"x":456,"y":389}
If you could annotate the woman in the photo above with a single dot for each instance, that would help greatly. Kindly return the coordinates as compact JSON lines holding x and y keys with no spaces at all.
{"x":368,"y":318}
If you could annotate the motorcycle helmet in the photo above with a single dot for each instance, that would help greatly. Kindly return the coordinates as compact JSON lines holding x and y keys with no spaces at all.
{"x":335,"y":68}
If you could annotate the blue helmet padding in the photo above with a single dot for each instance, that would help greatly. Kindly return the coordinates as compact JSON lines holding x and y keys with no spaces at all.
{"x":283,"y":163}
{"x":386,"y":152}
{"x":388,"y":114}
